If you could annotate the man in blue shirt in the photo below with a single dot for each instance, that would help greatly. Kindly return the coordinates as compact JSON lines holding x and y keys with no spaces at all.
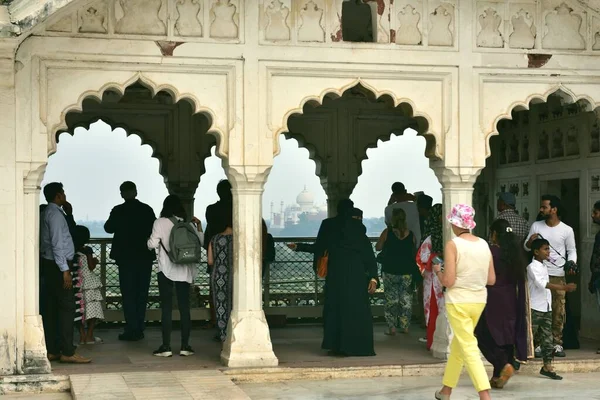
{"x":57,"y":252}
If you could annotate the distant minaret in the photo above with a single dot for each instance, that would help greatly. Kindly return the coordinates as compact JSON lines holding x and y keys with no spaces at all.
{"x":272,"y":214}
{"x":282,"y":219}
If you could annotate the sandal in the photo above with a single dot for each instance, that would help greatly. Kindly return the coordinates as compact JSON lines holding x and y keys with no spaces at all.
{"x":440,"y":396}
{"x":507,"y":372}
{"x":494,"y":383}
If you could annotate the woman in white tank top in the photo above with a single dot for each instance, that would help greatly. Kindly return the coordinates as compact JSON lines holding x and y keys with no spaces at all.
{"x":468,"y":268}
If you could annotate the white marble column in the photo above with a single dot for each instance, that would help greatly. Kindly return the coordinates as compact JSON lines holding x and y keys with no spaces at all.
{"x":455,"y":189}
{"x":248,"y":341}
{"x":11,"y":322}
{"x":35,"y":360}
{"x":337,"y":191}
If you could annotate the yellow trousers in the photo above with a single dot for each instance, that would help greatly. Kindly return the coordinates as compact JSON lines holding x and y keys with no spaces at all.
{"x":463,"y":350}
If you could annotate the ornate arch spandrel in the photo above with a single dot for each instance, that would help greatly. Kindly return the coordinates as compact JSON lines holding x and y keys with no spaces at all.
{"x":567,"y":92}
{"x":120,"y":89}
{"x":57,"y":85}
{"x":289,"y":88}
{"x":406,"y":105}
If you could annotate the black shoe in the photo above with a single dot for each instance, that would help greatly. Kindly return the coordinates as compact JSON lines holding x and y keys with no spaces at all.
{"x":550,"y":374}
{"x":163,"y":351}
{"x":186,"y":351}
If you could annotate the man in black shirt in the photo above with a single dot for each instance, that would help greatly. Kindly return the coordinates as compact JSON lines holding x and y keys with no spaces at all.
{"x":131,"y":223}
{"x":215,"y":213}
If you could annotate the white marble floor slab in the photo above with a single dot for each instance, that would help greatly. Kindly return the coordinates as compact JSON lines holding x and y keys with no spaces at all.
{"x":573,"y":387}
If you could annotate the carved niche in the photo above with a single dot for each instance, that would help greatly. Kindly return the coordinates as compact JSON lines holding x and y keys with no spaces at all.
{"x":596,"y":33}
{"x":311,"y":23}
{"x":523,"y":34}
{"x":502,"y":157}
{"x":595,"y":138}
{"x":525,"y":147}
{"x":334,"y":20}
{"x":189,"y":16}
{"x":558,"y":144}
{"x":380,"y":10}
{"x":408,"y":32}
{"x":93,"y":19}
{"x":563,"y":27}
{"x":543,"y":146}
{"x":140,"y":17}
{"x":572,"y":145}
{"x":513,"y":149}
{"x":595,"y":185}
{"x":277,"y":26}
{"x":441,"y":26}
{"x":489,"y":36}
{"x":525,"y":189}
{"x":224,"y":19}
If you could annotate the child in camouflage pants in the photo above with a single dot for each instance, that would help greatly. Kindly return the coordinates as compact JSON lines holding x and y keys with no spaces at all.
{"x":538,"y":282}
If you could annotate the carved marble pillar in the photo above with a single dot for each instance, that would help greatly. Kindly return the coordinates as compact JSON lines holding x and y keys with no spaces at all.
{"x":11,"y":323}
{"x":456,"y":188}
{"x":248,"y":341}
{"x":35,"y":359}
{"x":336,"y":191}
{"x":186,"y":192}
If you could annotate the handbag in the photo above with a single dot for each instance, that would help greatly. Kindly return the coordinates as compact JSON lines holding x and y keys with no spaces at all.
{"x":322,"y":265}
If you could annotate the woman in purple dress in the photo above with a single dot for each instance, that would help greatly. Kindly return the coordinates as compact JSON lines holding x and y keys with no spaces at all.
{"x":502,"y":327}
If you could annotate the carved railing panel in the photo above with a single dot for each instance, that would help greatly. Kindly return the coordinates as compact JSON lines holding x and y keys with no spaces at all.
{"x":289,"y":281}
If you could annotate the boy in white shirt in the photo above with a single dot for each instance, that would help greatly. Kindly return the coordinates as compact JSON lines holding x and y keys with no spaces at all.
{"x":562,"y":247}
{"x":539,"y":285}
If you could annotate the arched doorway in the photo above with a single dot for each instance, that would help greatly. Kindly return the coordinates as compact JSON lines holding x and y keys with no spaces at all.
{"x":339,"y":131}
{"x":174,"y":130}
{"x":549,"y":145}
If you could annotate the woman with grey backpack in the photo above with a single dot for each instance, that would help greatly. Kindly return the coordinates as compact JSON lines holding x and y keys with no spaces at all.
{"x":178,"y":244}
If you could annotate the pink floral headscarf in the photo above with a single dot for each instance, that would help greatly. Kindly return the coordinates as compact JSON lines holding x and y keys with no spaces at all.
{"x":462,"y":216}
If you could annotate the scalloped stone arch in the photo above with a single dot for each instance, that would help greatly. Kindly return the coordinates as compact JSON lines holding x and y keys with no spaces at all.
{"x":405,"y":104}
{"x":154,"y":90}
{"x":538,"y":98}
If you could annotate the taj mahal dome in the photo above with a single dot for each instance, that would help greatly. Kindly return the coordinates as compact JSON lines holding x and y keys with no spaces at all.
{"x":290,"y":214}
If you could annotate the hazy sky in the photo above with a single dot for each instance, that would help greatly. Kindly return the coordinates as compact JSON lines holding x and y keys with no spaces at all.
{"x":92,"y":164}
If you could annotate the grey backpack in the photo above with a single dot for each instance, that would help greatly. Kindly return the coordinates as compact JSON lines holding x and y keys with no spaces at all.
{"x":184,"y":242}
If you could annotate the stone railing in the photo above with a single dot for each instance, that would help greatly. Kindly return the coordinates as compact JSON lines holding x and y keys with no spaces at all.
{"x":290,"y":286}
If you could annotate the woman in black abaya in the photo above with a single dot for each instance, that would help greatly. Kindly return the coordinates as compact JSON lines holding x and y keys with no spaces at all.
{"x":351,"y":277}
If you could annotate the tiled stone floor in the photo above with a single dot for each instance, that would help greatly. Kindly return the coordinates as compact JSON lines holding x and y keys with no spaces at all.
{"x":211,"y":385}
{"x":122,"y":370}
{"x":294,"y":345}
{"x":574,"y":386}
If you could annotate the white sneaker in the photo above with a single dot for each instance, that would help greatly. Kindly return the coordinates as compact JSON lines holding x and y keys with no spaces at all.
{"x":537,"y":352}
{"x":559,"y":351}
